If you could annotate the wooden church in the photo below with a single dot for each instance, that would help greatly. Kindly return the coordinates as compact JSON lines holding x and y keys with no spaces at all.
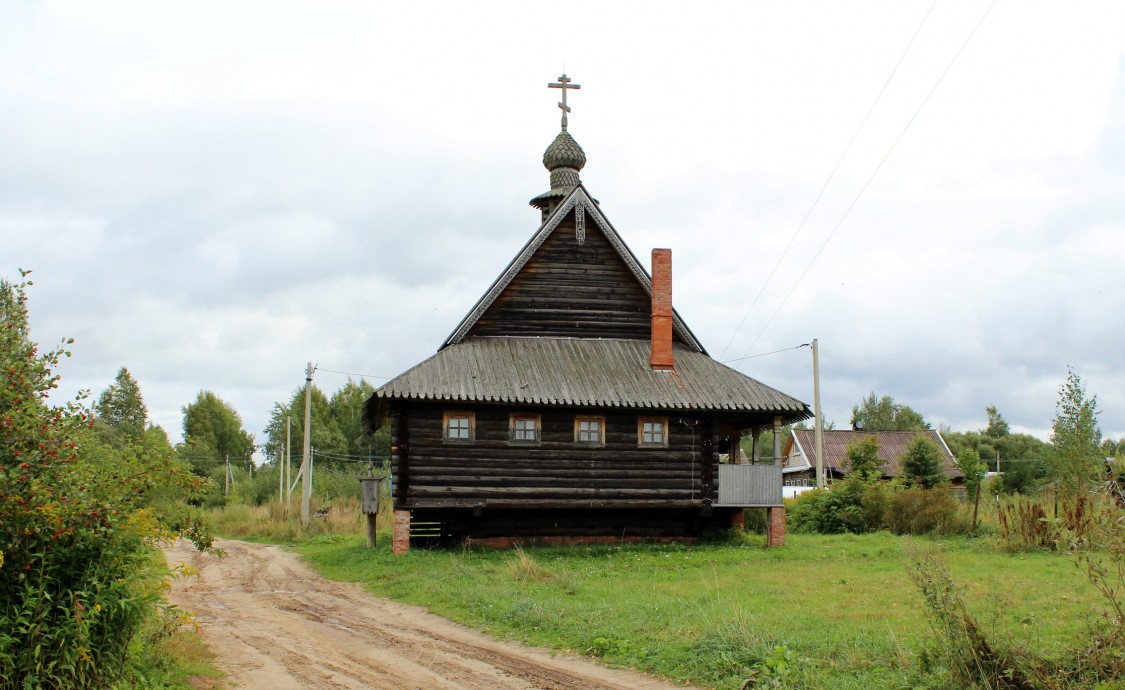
{"x":572,"y":403}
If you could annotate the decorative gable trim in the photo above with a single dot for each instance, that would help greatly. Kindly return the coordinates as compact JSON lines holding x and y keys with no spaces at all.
{"x":578,"y":199}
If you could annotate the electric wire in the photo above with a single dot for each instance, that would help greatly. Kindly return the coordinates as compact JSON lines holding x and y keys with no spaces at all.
{"x":875,"y":172}
{"x":831,"y":175}
{"x":353,"y":373}
{"x":774,"y":352}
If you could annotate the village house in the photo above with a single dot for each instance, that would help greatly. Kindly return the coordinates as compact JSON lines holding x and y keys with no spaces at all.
{"x":572,"y":403}
{"x":798,"y":459}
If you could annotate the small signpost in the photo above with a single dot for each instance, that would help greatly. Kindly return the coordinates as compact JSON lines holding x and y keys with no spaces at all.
{"x":370,"y":485}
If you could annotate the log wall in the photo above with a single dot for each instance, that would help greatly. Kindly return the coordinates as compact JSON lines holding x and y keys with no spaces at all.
{"x":556,"y":473}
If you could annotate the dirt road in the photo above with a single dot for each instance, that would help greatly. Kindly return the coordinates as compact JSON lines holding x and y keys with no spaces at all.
{"x":276,"y":625}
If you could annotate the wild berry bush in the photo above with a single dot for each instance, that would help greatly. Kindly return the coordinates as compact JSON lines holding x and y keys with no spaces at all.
{"x":77,"y":518}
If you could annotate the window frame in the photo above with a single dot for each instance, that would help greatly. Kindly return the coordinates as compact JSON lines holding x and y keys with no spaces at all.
{"x":448,"y":416}
{"x":663,"y":421}
{"x":524,"y":416}
{"x":579,"y":419}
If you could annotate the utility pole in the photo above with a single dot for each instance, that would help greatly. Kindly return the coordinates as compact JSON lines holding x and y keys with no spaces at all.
{"x":288,"y":462}
{"x":819,"y":423}
{"x":226,"y":477}
{"x":280,"y":475}
{"x":306,"y":457}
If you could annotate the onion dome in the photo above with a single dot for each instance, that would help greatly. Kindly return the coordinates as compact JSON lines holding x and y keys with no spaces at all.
{"x":563,"y":158}
{"x":564,"y":152}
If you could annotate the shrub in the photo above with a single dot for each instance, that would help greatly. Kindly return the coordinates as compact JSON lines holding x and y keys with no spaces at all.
{"x":917,"y":511}
{"x":77,"y":518}
{"x":855,"y":505}
{"x":832,"y":511}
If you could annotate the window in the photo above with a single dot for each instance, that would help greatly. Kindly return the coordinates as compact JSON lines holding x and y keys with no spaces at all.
{"x":524,"y":428}
{"x":459,"y":427}
{"x":652,"y":431}
{"x":589,"y":430}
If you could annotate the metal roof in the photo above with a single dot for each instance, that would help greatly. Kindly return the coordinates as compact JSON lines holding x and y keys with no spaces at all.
{"x":892,"y":445}
{"x":584,"y":372}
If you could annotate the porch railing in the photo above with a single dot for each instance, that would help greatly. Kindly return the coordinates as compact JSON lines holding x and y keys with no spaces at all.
{"x":749,"y":485}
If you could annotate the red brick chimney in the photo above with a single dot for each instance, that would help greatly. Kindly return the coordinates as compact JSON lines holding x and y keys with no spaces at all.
{"x":662,"y":310}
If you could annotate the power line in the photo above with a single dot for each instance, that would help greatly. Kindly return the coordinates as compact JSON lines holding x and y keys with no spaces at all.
{"x":353,"y":373}
{"x":787,"y":349}
{"x":831,"y":175}
{"x":875,"y":172}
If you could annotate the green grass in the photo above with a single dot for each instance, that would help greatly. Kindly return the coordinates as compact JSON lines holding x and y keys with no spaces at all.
{"x":842,"y":606}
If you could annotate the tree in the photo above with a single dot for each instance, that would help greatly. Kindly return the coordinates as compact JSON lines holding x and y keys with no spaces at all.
{"x":921,"y":463}
{"x":212,"y":433}
{"x":346,"y":408}
{"x":1075,"y":460}
{"x":968,"y":461}
{"x":326,"y":435}
{"x":122,"y":407}
{"x":997,"y":425}
{"x":862,"y":458}
{"x":884,"y":414}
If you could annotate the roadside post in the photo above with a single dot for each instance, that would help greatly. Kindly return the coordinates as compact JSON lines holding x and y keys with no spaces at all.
{"x":370,"y":485}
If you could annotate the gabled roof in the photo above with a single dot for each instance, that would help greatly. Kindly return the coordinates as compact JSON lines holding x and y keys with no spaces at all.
{"x":584,"y":372}
{"x":892,"y":444}
{"x":580,"y":202}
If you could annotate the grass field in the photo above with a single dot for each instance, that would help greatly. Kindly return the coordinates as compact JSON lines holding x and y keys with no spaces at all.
{"x":823,"y":612}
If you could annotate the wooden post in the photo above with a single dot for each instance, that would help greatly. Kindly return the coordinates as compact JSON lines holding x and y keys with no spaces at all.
{"x":777,"y":441}
{"x":819,"y":425}
{"x":306,"y":457}
{"x":371,"y":529}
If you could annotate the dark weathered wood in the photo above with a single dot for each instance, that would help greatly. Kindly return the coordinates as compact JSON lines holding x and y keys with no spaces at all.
{"x":571,"y":290}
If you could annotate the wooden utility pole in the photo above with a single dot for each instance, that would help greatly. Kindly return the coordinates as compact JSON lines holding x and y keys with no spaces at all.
{"x":226,"y":477}
{"x":288,"y":462}
{"x":819,"y":423}
{"x":306,"y":457}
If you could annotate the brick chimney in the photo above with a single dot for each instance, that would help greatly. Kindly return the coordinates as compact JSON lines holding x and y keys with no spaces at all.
{"x":662,"y":310}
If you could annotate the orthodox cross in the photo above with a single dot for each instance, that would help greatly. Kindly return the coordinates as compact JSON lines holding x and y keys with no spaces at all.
{"x":564,"y":84}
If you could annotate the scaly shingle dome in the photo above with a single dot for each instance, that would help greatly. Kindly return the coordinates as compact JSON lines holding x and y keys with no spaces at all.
{"x":564,"y":152}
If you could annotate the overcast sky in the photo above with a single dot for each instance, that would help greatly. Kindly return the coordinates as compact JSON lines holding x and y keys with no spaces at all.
{"x":214,"y":193}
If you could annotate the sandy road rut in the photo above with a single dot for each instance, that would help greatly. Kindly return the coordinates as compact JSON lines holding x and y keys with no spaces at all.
{"x":275,"y":624}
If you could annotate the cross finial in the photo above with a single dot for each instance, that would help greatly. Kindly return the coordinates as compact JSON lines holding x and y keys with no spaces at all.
{"x":564,"y":84}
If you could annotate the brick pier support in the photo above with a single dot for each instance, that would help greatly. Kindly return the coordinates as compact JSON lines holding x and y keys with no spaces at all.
{"x":401,"y":542}
{"x":777,"y":526}
{"x":738,"y":519}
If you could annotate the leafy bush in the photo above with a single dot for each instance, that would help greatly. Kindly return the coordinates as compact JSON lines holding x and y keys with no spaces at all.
{"x":77,"y":518}
{"x":917,"y":511}
{"x":857,"y":506}
{"x":832,"y":511}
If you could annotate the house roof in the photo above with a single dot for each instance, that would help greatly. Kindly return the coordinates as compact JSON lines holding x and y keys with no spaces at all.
{"x":582,"y":372}
{"x":580,"y":200}
{"x":892,"y":444}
